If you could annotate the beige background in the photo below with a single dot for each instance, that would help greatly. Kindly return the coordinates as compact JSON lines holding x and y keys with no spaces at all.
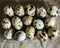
{"x":28,"y":43}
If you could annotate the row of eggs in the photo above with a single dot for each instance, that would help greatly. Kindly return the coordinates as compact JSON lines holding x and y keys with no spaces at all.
{"x":31,"y":10}
{"x":30,"y":33}
{"x":17,"y":23}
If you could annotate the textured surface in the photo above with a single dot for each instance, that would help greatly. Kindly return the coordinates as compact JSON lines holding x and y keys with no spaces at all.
{"x":28,"y":43}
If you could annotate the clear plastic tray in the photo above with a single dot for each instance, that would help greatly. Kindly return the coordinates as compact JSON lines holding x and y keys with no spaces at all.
{"x":27,"y":44}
